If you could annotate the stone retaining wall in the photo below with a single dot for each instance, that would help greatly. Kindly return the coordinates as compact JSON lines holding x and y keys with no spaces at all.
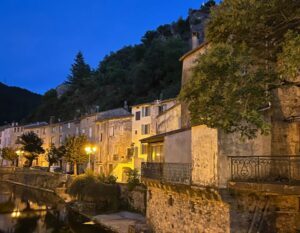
{"x":135,"y":199}
{"x":194,"y":210}
{"x":34,"y":178}
{"x":170,"y":211}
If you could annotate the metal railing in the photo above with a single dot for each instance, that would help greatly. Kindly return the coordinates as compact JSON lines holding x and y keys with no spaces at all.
{"x":269,"y":169}
{"x":176,"y":173}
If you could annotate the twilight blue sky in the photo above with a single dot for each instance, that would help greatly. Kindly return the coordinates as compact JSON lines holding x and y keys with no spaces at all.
{"x":40,"y":38}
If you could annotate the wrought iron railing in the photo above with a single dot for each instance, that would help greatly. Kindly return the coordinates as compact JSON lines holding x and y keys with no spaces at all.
{"x":176,"y":173}
{"x":272,"y":169}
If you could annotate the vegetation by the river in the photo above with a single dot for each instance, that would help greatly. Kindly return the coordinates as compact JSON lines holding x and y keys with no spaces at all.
{"x":96,"y":189}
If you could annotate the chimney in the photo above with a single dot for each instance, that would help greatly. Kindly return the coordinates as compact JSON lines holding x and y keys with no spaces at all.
{"x":52,"y":120}
{"x":126,"y":105}
{"x":195,"y":40}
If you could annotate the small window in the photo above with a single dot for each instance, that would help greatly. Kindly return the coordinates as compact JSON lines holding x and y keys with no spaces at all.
{"x":138,"y":115}
{"x":110,"y":168}
{"x":145,"y":111}
{"x":60,"y":139}
{"x":162,"y":108}
{"x":69,"y":125}
{"x":145,"y":129}
{"x":90,"y":132}
{"x":144,"y":148}
{"x":111,"y":131}
{"x":100,"y":137}
{"x":77,"y":130}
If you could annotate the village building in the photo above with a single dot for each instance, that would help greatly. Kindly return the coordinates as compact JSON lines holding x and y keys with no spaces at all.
{"x":113,"y":133}
{"x":218,"y":176}
{"x":144,"y":124}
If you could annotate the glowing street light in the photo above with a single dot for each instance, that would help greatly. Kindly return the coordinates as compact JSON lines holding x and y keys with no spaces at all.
{"x":90,"y":150}
{"x":19,"y":152}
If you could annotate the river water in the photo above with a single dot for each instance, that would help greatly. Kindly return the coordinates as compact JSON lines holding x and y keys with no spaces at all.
{"x":30,"y":211}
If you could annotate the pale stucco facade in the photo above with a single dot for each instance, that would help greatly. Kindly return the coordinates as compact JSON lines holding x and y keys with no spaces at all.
{"x":144,"y":124}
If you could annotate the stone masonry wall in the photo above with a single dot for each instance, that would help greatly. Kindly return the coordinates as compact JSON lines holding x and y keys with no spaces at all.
{"x":262,"y":213}
{"x":286,"y":135}
{"x":170,"y":212}
{"x":233,"y":145}
{"x":207,"y":211}
{"x":210,"y":151}
{"x":204,"y":156}
{"x":37,"y":179}
{"x":135,"y":199}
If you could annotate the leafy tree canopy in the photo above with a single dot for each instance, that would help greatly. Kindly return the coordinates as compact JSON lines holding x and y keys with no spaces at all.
{"x":31,"y":145}
{"x":74,"y":150}
{"x":9,"y":154}
{"x":55,"y":154}
{"x":254,"y":48}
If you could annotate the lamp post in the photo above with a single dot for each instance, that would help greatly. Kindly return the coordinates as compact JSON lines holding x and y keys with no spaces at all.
{"x":90,"y":150}
{"x":19,"y":153}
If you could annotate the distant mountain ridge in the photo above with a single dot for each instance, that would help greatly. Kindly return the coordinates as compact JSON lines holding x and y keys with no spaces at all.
{"x":16,"y":103}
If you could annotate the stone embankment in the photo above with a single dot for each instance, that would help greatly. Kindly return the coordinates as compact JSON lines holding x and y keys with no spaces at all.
{"x":134,"y":200}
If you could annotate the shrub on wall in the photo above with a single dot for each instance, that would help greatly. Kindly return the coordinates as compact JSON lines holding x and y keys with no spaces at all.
{"x":133,"y":179}
{"x":89,"y":188}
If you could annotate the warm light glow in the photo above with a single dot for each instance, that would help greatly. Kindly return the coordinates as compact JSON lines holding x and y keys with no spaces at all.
{"x":90,"y":149}
{"x":16,"y":213}
{"x":19,"y":152}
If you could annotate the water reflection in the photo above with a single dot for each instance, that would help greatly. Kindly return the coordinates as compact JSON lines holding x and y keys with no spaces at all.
{"x":31,"y":211}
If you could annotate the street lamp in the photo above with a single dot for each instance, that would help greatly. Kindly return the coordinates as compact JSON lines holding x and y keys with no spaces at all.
{"x":90,"y":150}
{"x":19,"y":153}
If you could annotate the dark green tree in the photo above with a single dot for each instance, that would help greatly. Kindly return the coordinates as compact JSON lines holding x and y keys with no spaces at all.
{"x":74,"y":150}
{"x":80,"y":72}
{"x":32,"y":146}
{"x":254,"y":48}
{"x":9,"y":154}
{"x":54,"y":155}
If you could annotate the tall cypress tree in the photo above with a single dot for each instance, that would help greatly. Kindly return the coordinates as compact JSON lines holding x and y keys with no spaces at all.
{"x":80,"y":72}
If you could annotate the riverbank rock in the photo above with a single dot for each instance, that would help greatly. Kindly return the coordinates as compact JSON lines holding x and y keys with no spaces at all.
{"x":123,"y":222}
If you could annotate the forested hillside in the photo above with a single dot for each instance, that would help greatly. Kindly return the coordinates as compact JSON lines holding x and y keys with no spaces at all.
{"x":136,"y":74}
{"x":16,"y":103}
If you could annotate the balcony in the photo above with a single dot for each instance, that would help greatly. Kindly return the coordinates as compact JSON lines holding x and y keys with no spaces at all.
{"x":173,"y":173}
{"x":266,"y":169}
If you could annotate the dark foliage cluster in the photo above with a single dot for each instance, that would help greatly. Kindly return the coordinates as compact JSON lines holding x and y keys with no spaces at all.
{"x":139,"y":73}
